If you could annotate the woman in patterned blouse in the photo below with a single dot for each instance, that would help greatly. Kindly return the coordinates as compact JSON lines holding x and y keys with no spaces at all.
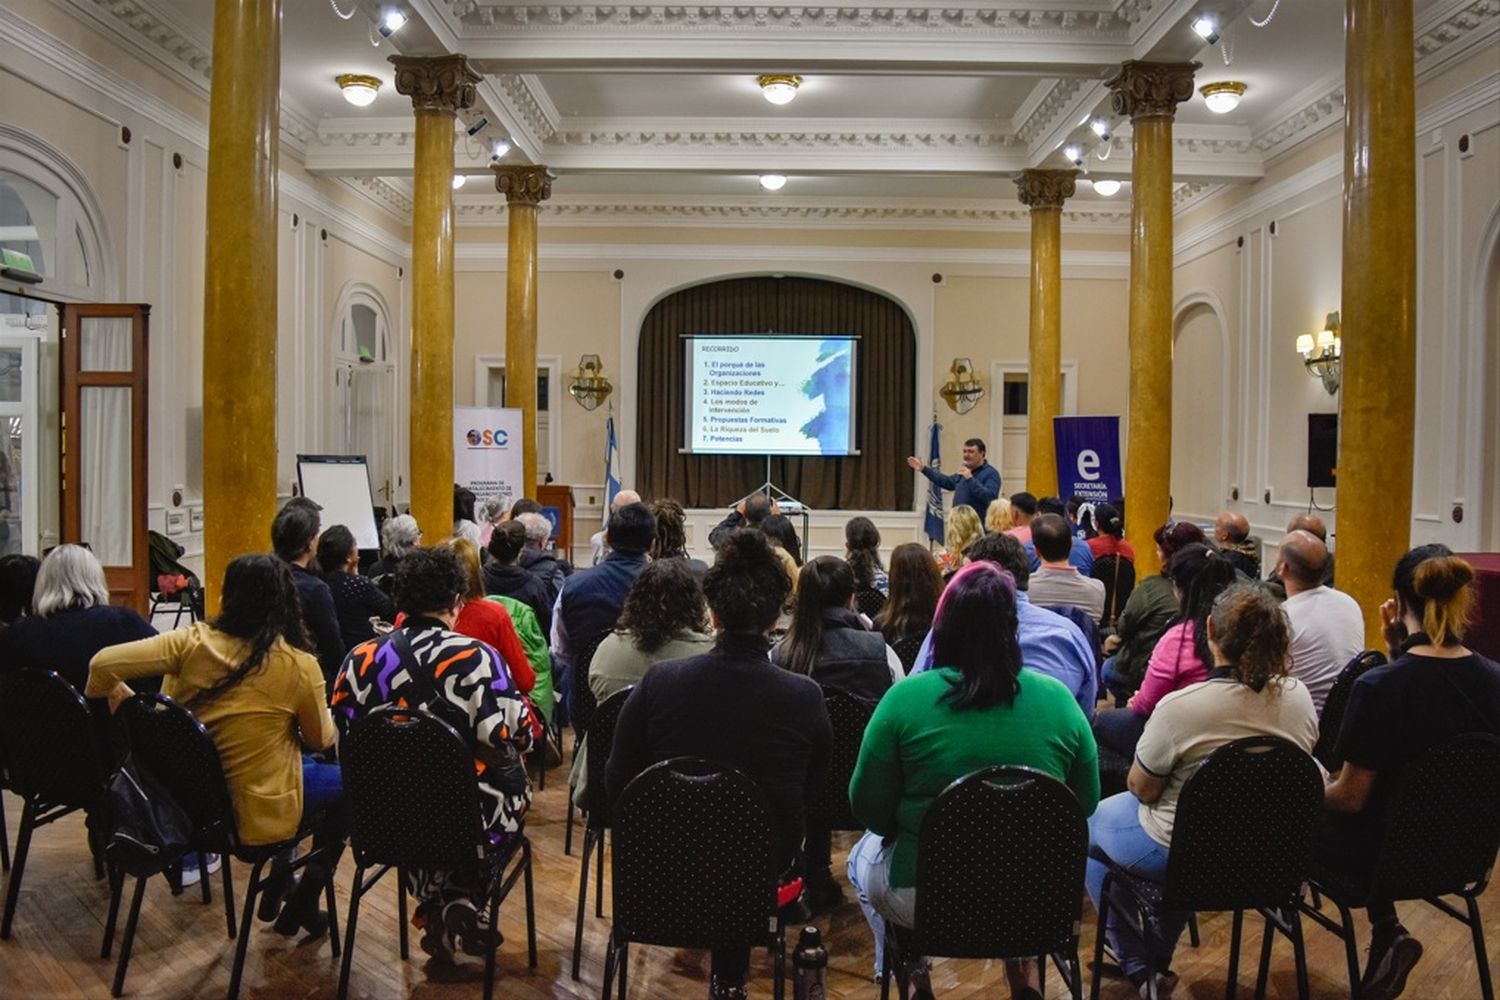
{"x":404,"y":668}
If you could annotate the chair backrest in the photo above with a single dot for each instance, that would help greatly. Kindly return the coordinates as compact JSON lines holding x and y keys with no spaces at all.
{"x":1085,"y":623}
{"x":1118,"y":574}
{"x":1443,"y":821}
{"x":694,"y":857}
{"x":850,"y":716}
{"x":907,"y":647}
{"x":1245,"y":828}
{"x":601,"y":741}
{"x":868,"y":601}
{"x":1003,"y":854}
{"x":173,"y":747}
{"x":51,"y":740}
{"x":584,"y":701}
{"x":1332,"y":719}
{"x":410,"y":791}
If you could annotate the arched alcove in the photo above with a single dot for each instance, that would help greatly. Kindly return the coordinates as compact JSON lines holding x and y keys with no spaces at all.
{"x":1487,"y":327}
{"x":1200,"y":406}
{"x":364,"y":378}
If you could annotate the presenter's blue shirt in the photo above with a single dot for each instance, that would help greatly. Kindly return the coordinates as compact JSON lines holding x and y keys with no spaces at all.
{"x":982,"y":486}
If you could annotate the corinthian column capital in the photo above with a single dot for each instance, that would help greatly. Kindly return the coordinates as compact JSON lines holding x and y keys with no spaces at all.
{"x":1045,"y":188}
{"x":523,"y":184}
{"x":1150,"y":89}
{"x":436,"y":83}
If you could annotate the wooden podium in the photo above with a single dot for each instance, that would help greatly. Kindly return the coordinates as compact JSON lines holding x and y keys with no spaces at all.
{"x":559,"y":498}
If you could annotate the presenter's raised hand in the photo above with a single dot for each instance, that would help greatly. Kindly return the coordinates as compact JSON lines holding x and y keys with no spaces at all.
{"x":966,"y":472}
{"x":917,"y":465}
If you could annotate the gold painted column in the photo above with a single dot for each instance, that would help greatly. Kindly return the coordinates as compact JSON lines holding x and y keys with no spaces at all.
{"x":525,"y":187}
{"x":1149,"y":93}
{"x":439,"y":87}
{"x":1044,"y":191}
{"x":1379,"y":302}
{"x":239,"y":294}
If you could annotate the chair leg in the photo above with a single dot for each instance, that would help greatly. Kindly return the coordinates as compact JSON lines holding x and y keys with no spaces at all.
{"x":489,"y":954}
{"x":624,"y":968}
{"x":205,"y":884}
{"x":129,"y":939}
{"x":1193,"y":930}
{"x":609,"y":965}
{"x":355,"y":895}
{"x":18,"y":869}
{"x":96,"y":848}
{"x":1231,"y":987}
{"x":333,"y":915}
{"x":1075,"y":974}
{"x":400,"y":912}
{"x":228,"y":894}
{"x":242,"y":944}
{"x":116,"y":890}
{"x":4,"y":839}
{"x":583,"y":898}
{"x":1486,"y":987}
{"x":530,"y":886}
{"x":1267,"y":941}
{"x":778,"y":988}
{"x":1299,"y":952}
{"x":568,"y":829}
{"x":599,"y":878}
{"x":1099,"y":939}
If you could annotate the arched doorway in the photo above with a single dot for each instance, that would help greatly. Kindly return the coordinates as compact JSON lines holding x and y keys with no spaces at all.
{"x":364,"y":378}
{"x":1200,"y":458}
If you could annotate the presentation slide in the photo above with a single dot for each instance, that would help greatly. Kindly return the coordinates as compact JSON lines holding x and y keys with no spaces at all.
{"x":770,"y":395}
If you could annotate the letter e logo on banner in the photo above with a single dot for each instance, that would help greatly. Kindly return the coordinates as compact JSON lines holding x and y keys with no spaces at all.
{"x":1088,"y":464}
{"x":1088,"y":457}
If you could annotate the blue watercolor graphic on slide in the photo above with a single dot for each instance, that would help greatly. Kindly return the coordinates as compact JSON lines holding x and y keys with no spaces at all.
{"x":831,"y":380}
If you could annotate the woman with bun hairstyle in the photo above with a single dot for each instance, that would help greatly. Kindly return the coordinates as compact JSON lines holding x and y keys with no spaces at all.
{"x":1433,"y":689}
{"x":1110,"y":537}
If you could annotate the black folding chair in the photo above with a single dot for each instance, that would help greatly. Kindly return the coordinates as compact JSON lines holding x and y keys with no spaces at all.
{"x":1334,"y":706}
{"x":907,"y":647}
{"x":1118,"y":574}
{"x":1243,"y":839}
{"x":413,"y":803}
{"x":169,"y":743}
{"x":869,"y":602}
{"x":1442,"y":830}
{"x":694,"y":865}
{"x":1002,"y":859}
{"x":849,"y":715}
{"x":601,"y":738}
{"x":582,"y":710}
{"x":56,"y":763}
{"x":5,"y":786}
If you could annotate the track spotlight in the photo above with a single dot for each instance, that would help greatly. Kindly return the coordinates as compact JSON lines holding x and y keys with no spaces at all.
{"x":1207,"y":28}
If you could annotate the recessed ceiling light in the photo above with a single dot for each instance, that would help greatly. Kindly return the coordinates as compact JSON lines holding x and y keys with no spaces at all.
{"x":459,"y":180}
{"x":779,"y":88}
{"x":1222,"y":97}
{"x":392,"y":21}
{"x":1074,"y":155}
{"x":773,"y":182}
{"x":1107,"y":188}
{"x":1207,"y":28}
{"x":499,"y":149}
{"x":358,"y":89}
{"x":1101,"y":128}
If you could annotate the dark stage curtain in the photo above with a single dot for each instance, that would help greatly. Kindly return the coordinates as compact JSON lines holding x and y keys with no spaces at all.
{"x":877,"y":479}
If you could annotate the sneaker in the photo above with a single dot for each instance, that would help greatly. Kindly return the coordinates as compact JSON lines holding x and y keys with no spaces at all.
{"x":190,"y":873}
{"x":1385,"y":976}
{"x":1166,"y":982}
{"x":462,"y":923}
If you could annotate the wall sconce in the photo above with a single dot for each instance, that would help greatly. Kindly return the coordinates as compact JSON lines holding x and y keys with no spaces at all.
{"x":963,"y":391}
{"x":1323,"y":353}
{"x":587,"y":382}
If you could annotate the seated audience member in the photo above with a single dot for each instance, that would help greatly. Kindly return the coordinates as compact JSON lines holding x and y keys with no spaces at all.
{"x":464,"y":523}
{"x":17,"y":581}
{"x":1110,"y":537}
{"x":356,"y":599}
{"x":862,"y":552}
{"x":1232,"y":534}
{"x":664,"y":618}
{"x":491,"y":514}
{"x":1313,"y":525}
{"x":72,"y":620}
{"x":537,"y":559}
{"x":749,"y":513}
{"x":504,"y":577}
{"x":1199,"y":575}
{"x":476,"y":696}
{"x":590,"y":601}
{"x":1328,"y":629}
{"x":1022,"y":511}
{"x":534,"y":644}
{"x":1057,"y":581}
{"x":1079,"y":554}
{"x":488,"y":621}
{"x":975,"y":709}
{"x":1050,"y":643}
{"x":671,"y":535}
{"x":599,"y":540}
{"x":733,"y":705}
{"x":961,"y":529}
{"x":778,"y":528}
{"x":1247,"y":694}
{"x":398,"y":535}
{"x":249,"y":677}
{"x":916,"y":585}
{"x":294,"y":536}
{"x":525,"y":505}
{"x":1149,"y":610}
{"x":1433,"y":689}
{"x":998,"y":515}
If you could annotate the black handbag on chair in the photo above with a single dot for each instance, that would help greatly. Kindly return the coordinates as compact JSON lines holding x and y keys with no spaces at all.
{"x":145,"y":830}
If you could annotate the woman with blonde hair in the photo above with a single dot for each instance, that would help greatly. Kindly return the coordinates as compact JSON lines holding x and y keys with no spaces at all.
{"x":961,"y":530}
{"x":998,"y":517}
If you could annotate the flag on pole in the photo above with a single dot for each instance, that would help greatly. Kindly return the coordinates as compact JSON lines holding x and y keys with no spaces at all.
{"x":611,"y":455}
{"x":933,"y":524}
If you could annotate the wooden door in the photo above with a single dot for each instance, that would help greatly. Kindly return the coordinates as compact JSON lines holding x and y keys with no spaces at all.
{"x":104,"y":368}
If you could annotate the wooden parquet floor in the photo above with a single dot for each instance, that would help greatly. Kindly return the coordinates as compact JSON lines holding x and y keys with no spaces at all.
{"x":182,"y":950}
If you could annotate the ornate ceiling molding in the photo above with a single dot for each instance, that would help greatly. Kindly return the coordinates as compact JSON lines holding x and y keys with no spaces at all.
{"x":1054,"y":105}
{"x":526,"y":100}
{"x":1451,"y":28}
{"x":388,"y":197}
{"x":701,"y":138}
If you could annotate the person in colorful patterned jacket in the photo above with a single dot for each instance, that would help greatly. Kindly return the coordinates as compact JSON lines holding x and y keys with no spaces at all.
{"x":464,"y":682}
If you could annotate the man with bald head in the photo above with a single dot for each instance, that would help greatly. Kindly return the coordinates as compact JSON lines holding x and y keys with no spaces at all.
{"x":1328,"y":629}
{"x":1313,"y":525}
{"x":599,"y":540}
{"x":1232,"y":532}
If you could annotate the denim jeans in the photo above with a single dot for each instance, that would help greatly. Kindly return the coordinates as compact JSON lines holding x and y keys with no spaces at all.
{"x":869,"y":872}
{"x":1113,"y":682}
{"x":1119,"y":729}
{"x":323,"y":806}
{"x":1115,"y":833}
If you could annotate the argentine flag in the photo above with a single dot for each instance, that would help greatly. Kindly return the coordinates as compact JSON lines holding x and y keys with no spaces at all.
{"x":611,"y":455}
{"x":933,"y":524}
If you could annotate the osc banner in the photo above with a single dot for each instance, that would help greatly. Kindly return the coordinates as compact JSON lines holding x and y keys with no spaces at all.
{"x":1088,"y":458}
{"x":487,"y":452}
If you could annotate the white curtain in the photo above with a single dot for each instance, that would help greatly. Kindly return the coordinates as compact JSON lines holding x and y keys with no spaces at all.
{"x":105,"y":433}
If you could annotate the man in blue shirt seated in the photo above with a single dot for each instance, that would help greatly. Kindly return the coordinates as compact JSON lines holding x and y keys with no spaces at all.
{"x":1050,"y":644}
{"x":976,"y":482}
{"x":1080,"y":557}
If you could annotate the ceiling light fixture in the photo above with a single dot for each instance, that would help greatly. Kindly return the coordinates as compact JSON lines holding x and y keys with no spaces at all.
{"x":773,"y":182}
{"x":358,"y":88}
{"x":459,"y":180}
{"x":499,"y":149}
{"x":779,"y":88}
{"x":1101,"y":128}
{"x":1222,"y":97}
{"x":1207,"y":28}
{"x":1074,"y":155}
{"x":392,"y":21}
{"x":1107,"y":188}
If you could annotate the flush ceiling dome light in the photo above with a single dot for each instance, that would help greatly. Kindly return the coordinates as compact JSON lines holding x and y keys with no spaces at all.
{"x":1222,"y":97}
{"x":459,"y":180}
{"x":779,"y":88}
{"x":773,"y":182}
{"x":358,"y":89}
{"x":1107,"y":188}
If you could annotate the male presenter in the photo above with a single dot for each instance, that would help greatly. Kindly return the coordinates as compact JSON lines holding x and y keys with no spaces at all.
{"x":976,"y":482}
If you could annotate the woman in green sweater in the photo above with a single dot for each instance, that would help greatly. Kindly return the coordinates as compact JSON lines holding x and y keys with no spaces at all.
{"x":976,"y":709}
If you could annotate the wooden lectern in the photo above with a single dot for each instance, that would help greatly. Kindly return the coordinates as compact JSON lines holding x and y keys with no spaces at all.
{"x":559,"y":498}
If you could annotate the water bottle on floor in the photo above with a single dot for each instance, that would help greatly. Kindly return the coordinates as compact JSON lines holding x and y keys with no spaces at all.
{"x":810,"y":962}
